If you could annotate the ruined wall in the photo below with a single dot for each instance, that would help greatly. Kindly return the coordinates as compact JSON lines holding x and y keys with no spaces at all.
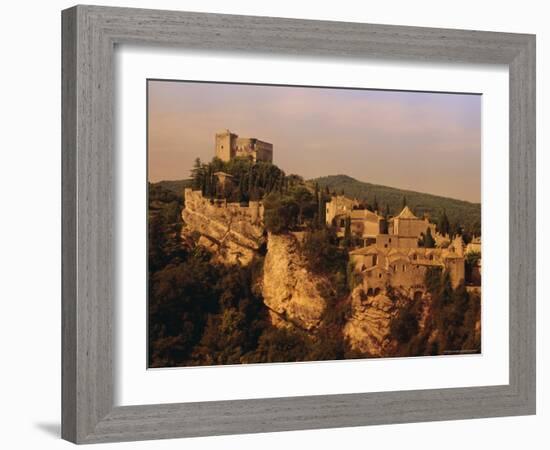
{"x":254,"y":148}
{"x":234,"y":232}
{"x":264,"y":151}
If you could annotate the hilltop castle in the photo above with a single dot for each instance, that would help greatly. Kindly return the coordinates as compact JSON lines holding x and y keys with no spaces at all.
{"x":229,"y":145}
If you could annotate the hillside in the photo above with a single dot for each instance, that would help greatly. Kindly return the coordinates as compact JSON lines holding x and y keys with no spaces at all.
{"x":459,"y":211}
{"x":176,"y":186}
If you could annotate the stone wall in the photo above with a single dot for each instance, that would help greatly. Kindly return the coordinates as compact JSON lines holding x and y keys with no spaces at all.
{"x":225,"y":145}
{"x":411,"y":227}
{"x":229,"y":145}
{"x":234,"y":232}
{"x":254,"y":148}
{"x":339,"y":204}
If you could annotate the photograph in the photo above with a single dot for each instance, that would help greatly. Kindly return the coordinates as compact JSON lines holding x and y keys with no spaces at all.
{"x":310,"y":223}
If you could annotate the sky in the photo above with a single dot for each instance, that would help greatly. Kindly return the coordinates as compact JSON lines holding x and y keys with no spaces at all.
{"x":426,"y":142}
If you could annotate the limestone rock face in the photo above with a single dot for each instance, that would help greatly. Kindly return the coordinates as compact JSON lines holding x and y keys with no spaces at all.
{"x":234,"y":233}
{"x":289,"y":290}
{"x":368,"y":329}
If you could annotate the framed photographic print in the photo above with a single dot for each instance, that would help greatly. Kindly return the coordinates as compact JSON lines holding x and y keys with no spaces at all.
{"x":305,"y":210}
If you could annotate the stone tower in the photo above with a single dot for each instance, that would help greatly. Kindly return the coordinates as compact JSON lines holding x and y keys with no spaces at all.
{"x":225,"y":145}
{"x":229,"y":145}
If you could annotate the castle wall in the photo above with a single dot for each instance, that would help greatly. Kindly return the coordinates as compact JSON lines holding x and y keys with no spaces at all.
{"x":254,"y":148}
{"x":230,"y":145}
{"x":252,"y":214}
{"x":233,"y":232}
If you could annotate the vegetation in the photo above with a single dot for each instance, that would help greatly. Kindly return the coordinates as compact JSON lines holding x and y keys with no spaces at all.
{"x":450,"y":322}
{"x":205,"y":313}
{"x":202,"y":313}
{"x":297,"y":208}
{"x":250,"y":181}
{"x":326,"y":257}
{"x":426,"y":239}
{"x":471,"y":261}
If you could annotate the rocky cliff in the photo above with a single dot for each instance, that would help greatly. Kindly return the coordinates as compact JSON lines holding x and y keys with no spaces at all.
{"x":234,"y":233}
{"x":290,"y":291}
{"x":368,"y":329}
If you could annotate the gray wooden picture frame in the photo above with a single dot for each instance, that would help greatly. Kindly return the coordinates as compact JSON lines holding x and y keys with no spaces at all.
{"x":89,"y":36}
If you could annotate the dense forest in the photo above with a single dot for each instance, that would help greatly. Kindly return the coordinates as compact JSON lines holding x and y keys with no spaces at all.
{"x":206,"y":313}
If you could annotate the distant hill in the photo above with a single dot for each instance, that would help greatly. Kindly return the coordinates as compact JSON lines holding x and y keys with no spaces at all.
{"x":458,"y":211}
{"x":176,"y":186}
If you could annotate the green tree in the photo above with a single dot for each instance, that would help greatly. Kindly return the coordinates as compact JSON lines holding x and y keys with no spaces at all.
{"x":375,"y":205}
{"x":348,"y":240}
{"x":321,"y":210}
{"x":280,"y":213}
{"x":197,"y":174}
{"x":470,"y":263}
{"x":426,"y":239}
{"x":404,"y":325}
{"x":443,"y":225}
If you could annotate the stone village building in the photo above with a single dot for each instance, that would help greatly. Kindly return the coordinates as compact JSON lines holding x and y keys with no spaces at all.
{"x":393,"y":259}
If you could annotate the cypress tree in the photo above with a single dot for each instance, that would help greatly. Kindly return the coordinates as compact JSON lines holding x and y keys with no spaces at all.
{"x":196,"y":174}
{"x":321,"y":212}
{"x":375,"y":204}
{"x":443,"y":225}
{"x":347,"y":233}
{"x":427,"y":239}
